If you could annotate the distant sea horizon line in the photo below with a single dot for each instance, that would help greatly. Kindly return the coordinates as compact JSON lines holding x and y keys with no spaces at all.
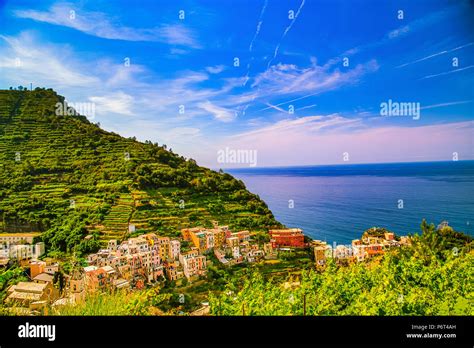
{"x":246,"y":167}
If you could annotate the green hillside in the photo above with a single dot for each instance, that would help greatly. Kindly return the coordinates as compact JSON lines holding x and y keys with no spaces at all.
{"x":68,"y":178}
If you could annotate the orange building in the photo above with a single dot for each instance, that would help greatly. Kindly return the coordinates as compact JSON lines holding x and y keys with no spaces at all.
{"x":187,"y":232}
{"x":96,"y":278}
{"x":374,"y":249}
{"x":36,"y":267}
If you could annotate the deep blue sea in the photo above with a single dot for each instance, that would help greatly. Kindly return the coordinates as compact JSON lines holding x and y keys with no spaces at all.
{"x":337,"y":203}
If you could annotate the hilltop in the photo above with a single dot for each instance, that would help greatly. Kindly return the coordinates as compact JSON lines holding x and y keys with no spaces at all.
{"x":81,"y":185}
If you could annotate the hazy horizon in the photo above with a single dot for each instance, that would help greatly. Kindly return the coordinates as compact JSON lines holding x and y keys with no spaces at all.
{"x":339,"y":164}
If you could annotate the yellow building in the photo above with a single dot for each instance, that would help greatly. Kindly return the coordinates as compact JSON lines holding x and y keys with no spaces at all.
{"x":321,"y":251}
{"x":164,"y":249}
{"x":219,"y":237}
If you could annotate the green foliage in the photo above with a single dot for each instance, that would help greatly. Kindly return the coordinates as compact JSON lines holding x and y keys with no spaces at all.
{"x":437,"y":244}
{"x":68,"y":235}
{"x":378,"y":232}
{"x":100,"y":304}
{"x":426,"y":278}
{"x":122,"y":302}
{"x":390,"y":288}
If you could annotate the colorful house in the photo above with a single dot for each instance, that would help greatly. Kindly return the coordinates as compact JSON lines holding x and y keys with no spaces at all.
{"x":292,"y":237}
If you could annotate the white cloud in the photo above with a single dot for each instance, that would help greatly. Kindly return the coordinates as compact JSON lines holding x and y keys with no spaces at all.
{"x":98,"y":24}
{"x":305,"y":124}
{"x":219,"y":113}
{"x":289,"y":79}
{"x":118,"y":103}
{"x":46,"y":64}
{"x":178,"y":51}
{"x":215,"y":69}
{"x":185,"y":132}
{"x":104,"y":81}
{"x":177,"y":35}
{"x":399,"y":32}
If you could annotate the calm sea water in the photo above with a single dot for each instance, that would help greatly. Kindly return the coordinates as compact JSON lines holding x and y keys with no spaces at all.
{"x":339,"y":202}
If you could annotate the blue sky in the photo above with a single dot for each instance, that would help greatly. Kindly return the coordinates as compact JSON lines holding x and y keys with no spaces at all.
{"x":308,"y":87}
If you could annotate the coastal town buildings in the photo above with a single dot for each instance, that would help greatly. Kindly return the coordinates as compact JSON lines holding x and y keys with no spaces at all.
{"x":219,"y":236}
{"x":201,"y":240}
{"x":37,"y":267}
{"x":242,"y":236}
{"x":173,"y":270}
{"x":43,"y":278}
{"x":147,"y":258}
{"x":233,"y":242}
{"x":163,"y":247}
{"x":76,"y":286}
{"x":205,"y":240}
{"x":291,"y":237}
{"x":175,"y":249}
{"x":359,"y":250}
{"x":19,"y":247}
{"x":322,"y":251}
{"x":139,"y":257}
{"x":131,"y":263}
{"x":17,"y":238}
{"x":268,"y":249}
{"x":33,"y":295}
{"x":193,"y":263}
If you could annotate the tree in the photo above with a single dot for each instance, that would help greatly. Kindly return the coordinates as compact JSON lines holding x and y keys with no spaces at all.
{"x":59,"y":280}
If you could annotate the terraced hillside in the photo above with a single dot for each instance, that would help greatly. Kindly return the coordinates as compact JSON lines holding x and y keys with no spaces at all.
{"x":81,"y":185}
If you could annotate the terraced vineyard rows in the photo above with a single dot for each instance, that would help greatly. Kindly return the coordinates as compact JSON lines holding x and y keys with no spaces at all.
{"x":117,"y":220}
{"x":67,"y":177}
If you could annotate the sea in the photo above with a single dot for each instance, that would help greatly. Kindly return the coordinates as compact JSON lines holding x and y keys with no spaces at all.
{"x":337,"y":203}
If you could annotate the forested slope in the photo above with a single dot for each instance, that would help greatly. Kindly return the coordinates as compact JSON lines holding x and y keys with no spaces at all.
{"x":68,"y":178}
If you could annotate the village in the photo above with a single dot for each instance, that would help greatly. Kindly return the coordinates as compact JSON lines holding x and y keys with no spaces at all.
{"x":144,"y":260}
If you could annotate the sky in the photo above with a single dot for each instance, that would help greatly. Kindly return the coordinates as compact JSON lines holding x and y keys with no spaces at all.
{"x":293,"y":82}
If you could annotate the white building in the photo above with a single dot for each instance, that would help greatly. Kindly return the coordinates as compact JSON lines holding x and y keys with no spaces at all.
{"x":236,"y":252}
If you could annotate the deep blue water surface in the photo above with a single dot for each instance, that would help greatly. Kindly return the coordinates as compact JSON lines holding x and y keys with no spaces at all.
{"x":338,"y":202}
